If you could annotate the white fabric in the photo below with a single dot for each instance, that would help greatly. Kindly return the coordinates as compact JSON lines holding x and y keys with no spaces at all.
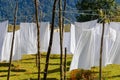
{"x":115,"y":25}
{"x":110,"y":40}
{"x":44,"y":36}
{"x":80,"y":26}
{"x":7,"y":47}
{"x":72,"y":38}
{"x":68,"y":41}
{"x":115,"y":51}
{"x":82,"y":57}
{"x":56,"y":43}
{"x":28,"y":32}
{"x":3,"y":32}
{"x":28,"y":36}
{"x":87,"y":52}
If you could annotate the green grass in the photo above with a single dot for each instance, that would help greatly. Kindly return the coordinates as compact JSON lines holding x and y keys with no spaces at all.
{"x":110,"y":72}
{"x":26,"y":69}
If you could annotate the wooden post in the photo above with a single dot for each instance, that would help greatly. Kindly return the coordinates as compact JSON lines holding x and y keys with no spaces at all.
{"x":51,"y":41}
{"x":61,"y":40}
{"x":64,"y":8}
{"x":65,"y":69}
{"x":12,"y":45}
{"x":38,"y":37}
{"x":101,"y":50}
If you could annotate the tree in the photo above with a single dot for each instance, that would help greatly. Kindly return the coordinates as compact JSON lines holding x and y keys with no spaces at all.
{"x":38,"y":35}
{"x":51,"y":40}
{"x":91,"y":8}
{"x":61,"y":39}
{"x":13,"y":38}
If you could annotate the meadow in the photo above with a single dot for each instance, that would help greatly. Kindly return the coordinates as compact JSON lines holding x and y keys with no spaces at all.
{"x":26,"y":69}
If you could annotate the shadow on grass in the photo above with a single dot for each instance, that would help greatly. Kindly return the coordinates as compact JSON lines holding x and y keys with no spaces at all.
{"x":28,"y":59}
{"x":50,"y":79}
{"x":54,"y":70}
{"x":18,"y":70}
{"x":54,"y":64}
{"x":5,"y":65}
{"x":54,"y":57}
{"x":41,"y":79}
{"x":7,"y":75}
{"x":28,"y":62}
{"x":3,"y":70}
{"x":42,"y":55}
{"x":116,"y":76}
{"x":68,"y":69}
{"x":68,"y":63}
{"x":49,"y":71}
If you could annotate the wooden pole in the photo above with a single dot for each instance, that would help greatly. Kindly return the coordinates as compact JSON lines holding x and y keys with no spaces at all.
{"x":38,"y":37}
{"x":64,"y":8}
{"x":65,"y":69}
{"x":12,"y":45}
{"x":51,"y":41}
{"x":101,"y":50}
{"x":61,"y":40}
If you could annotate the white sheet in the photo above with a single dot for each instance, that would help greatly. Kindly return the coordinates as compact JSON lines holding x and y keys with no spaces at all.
{"x":3,"y":32}
{"x":56,"y":43}
{"x":79,"y":26}
{"x":87,"y":52}
{"x":115,"y":51}
{"x":68,"y":41}
{"x":28,"y":34}
{"x":72,"y":38}
{"x":44,"y":36}
{"x":82,"y":57}
{"x":7,"y":47}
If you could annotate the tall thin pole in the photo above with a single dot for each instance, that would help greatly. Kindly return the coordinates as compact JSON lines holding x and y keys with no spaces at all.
{"x":12,"y":45}
{"x":38,"y":37}
{"x":101,"y":50}
{"x":61,"y":40}
{"x":51,"y":41}
{"x":65,"y":69}
{"x":64,"y":8}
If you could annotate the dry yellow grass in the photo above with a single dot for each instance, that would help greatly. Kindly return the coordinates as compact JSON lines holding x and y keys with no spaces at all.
{"x":10,"y":28}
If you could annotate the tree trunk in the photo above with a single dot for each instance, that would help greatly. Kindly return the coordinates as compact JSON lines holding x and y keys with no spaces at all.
{"x":63,"y":16}
{"x":51,"y":41}
{"x":61,"y":40}
{"x":38,"y":37}
{"x":64,"y":67}
{"x":101,"y":50}
{"x":12,"y":45}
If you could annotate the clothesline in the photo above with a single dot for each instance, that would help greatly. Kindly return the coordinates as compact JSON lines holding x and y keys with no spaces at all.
{"x":75,"y":12}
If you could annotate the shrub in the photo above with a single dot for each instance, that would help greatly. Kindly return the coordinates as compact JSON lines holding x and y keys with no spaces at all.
{"x":78,"y":74}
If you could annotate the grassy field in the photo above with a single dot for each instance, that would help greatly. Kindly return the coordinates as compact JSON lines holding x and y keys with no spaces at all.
{"x":26,"y":69}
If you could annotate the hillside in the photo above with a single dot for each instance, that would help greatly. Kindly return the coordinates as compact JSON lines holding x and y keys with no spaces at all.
{"x":26,"y":10}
